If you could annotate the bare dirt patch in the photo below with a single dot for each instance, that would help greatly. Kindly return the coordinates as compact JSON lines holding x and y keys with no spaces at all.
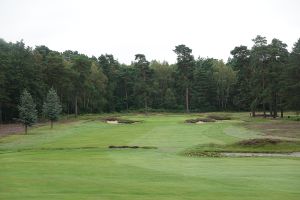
{"x":7,"y":129}
{"x":264,"y":116}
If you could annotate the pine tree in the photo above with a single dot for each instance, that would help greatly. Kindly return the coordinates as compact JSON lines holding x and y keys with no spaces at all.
{"x":292,"y":77}
{"x":144,"y":83}
{"x":27,"y":110}
{"x":240,"y":63}
{"x":200,"y":90}
{"x":185,"y":63}
{"x":52,"y":107}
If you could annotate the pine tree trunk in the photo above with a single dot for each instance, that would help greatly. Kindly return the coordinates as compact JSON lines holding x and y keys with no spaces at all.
{"x":87,"y":105}
{"x":146,"y":105}
{"x":68,"y":107}
{"x":275,"y":113}
{"x":263,"y":87}
{"x":84,"y":103}
{"x":127,"y":107}
{"x":187,"y":99}
{"x":275,"y":106}
{"x":76,"y":108}
{"x":61,"y":100}
{"x":271,"y":109}
{"x":126,"y":96}
{"x":222,"y":103}
{"x":51,"y":124}
{"x":253,"y":113}
{"x":264,"y":109}
{"x":145,"y":98}
{"x":281,"y":109}
{"x":25,"y":129}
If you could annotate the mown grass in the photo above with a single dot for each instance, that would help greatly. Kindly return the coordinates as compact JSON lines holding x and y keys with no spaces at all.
{"x":73,"y":161}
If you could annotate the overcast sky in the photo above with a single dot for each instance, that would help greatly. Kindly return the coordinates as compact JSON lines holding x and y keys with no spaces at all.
{"x":126,"y":27}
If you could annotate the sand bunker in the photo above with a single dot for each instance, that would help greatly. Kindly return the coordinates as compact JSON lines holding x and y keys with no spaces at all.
{"x":112,"y":122}
{"x":115,"y":120}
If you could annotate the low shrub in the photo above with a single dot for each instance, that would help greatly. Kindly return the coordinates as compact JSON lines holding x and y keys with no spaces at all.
{"x":199,"y":120}
{"x":259,"y":142}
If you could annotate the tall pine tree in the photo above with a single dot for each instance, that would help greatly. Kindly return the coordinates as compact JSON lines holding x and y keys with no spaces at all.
{"x":144,"y":83}
{"x":185,"y":63}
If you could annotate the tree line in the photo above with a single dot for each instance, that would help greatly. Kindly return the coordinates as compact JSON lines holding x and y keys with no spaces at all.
{"x":265,"y":78}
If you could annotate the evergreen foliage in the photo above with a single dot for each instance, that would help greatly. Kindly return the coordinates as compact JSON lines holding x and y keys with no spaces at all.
{"x":52,"y":107}
{"x":262,"y":78}
{"x":27,"y":110}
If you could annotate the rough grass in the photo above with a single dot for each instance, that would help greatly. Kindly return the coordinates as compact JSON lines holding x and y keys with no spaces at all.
{"x":279,"y":128}
{"x":262,"y":145}
{"x":261,"y":142}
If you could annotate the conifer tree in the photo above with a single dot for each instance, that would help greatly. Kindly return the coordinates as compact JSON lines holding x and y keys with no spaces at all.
{"x":144,"y":73}
{"x":200,"y":90}
{"x":27,"y":110}
{"x":52,"y":107}
{"x":185,"y":63}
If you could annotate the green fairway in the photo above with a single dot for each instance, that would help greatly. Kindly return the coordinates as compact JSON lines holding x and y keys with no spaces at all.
{"x":73,"y":161}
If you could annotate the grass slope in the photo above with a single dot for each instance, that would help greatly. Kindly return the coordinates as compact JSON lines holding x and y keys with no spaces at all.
{"x":72,"y":161}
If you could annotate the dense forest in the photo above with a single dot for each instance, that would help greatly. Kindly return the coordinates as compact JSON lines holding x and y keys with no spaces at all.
{"x":264,"y":78}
